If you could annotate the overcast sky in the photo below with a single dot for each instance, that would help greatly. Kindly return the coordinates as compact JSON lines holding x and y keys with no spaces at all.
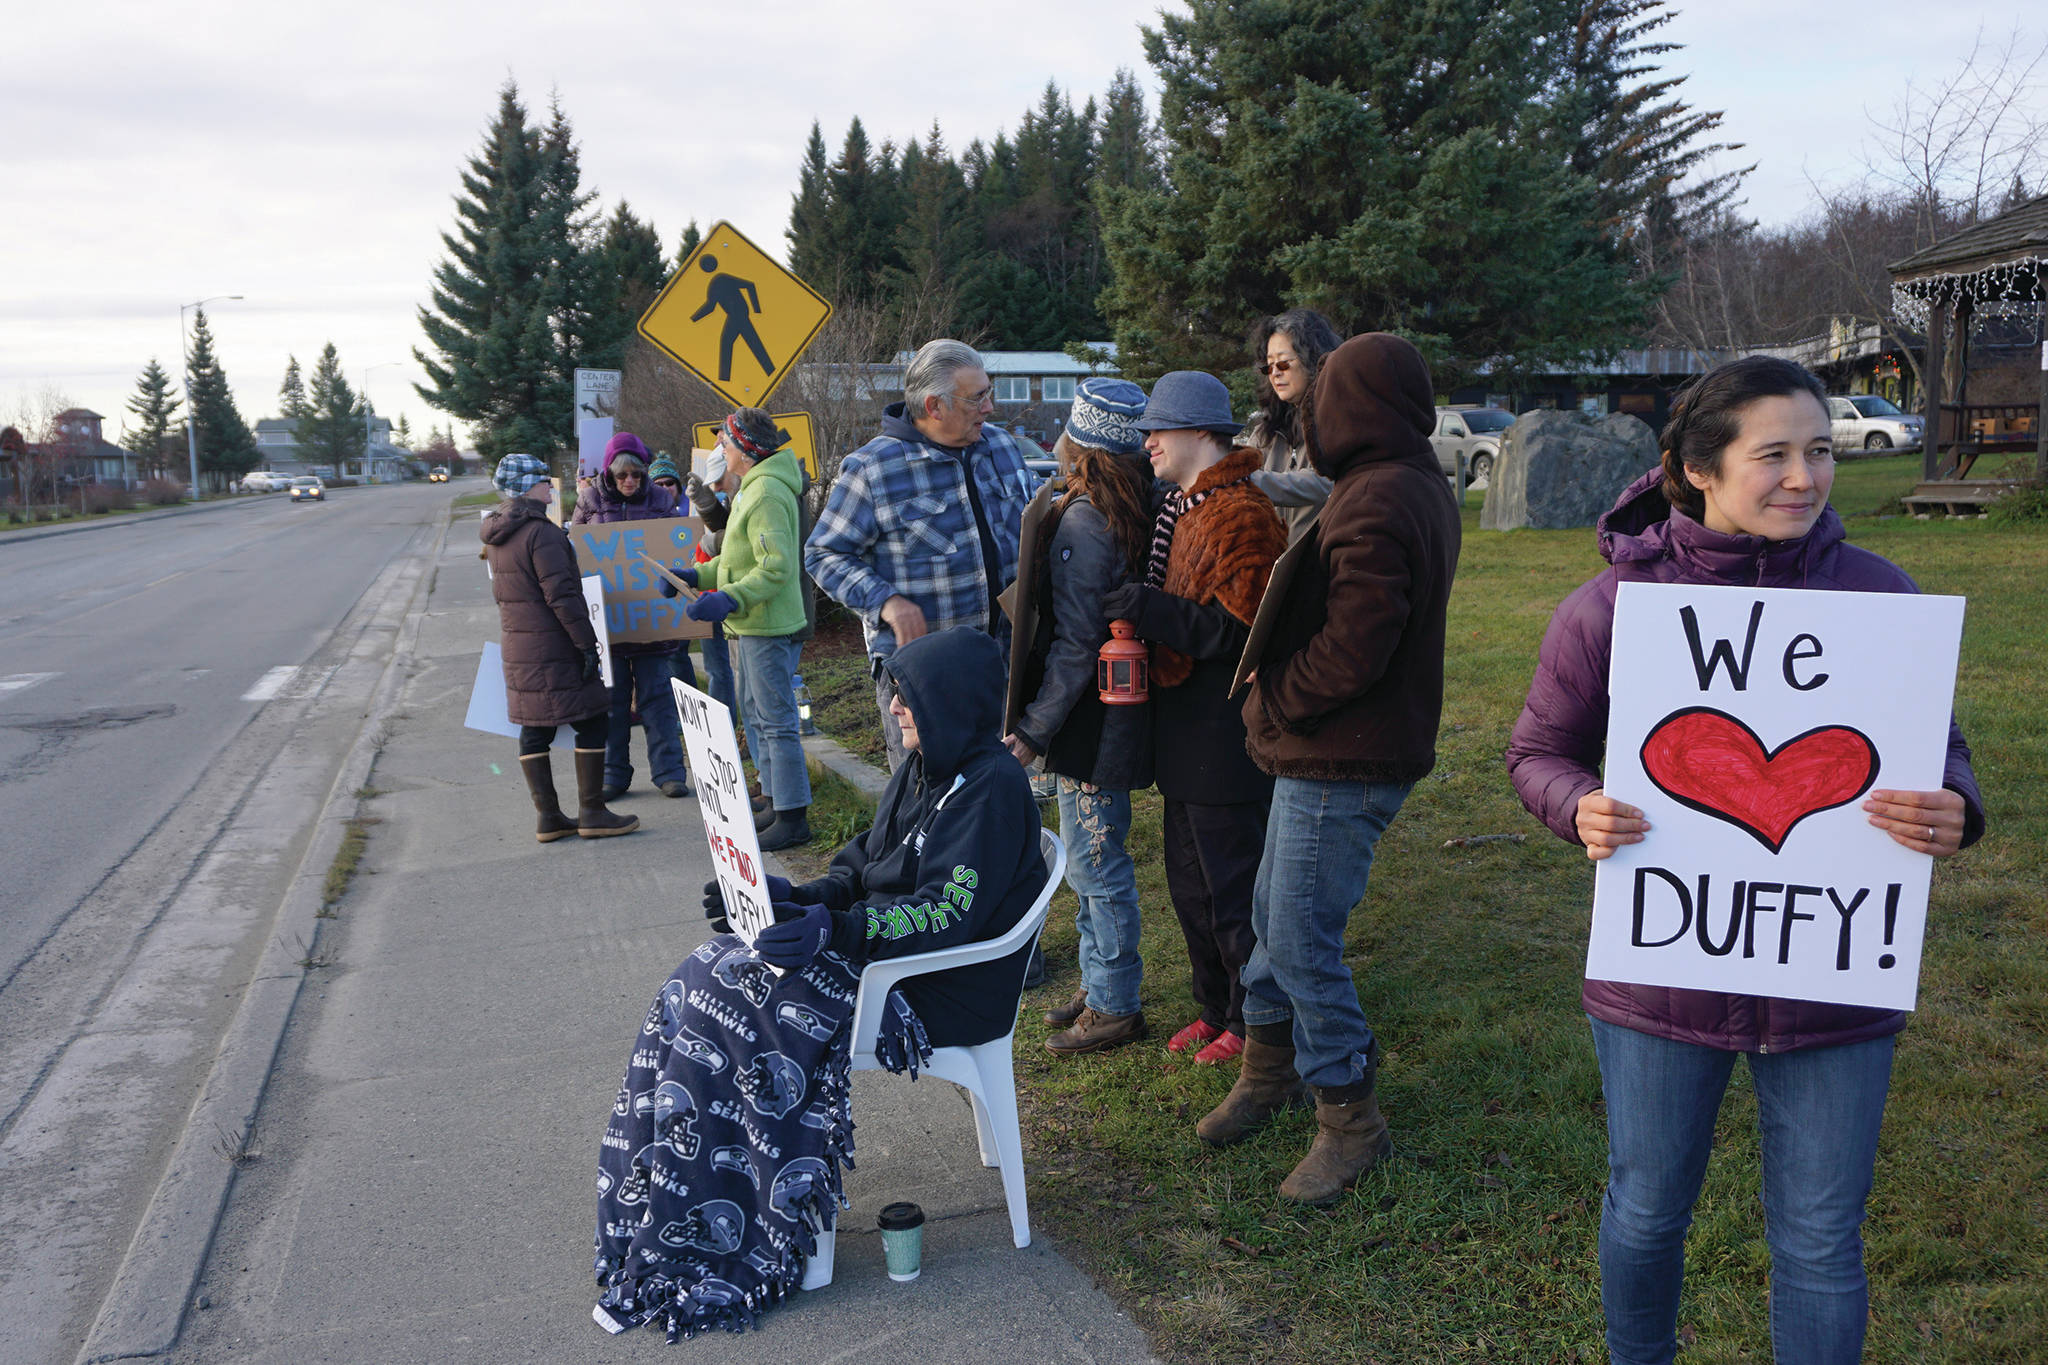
{"x":155,"y":155}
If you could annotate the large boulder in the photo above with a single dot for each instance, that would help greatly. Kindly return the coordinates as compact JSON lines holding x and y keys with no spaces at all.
{"x":1559,"y":469}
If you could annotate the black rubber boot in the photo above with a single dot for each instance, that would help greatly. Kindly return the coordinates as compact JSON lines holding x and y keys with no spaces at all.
{"x":540,"y":784}
{"x":790,"y":828}
{"x":593,"y":821}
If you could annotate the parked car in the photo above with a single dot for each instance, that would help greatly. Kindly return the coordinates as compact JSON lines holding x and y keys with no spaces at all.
{"x":308,"y":489}
{"x":1867,"y":421}
{"x":263,"y":481}
{"x":438,"y":474}
{"x":1474,"y":432}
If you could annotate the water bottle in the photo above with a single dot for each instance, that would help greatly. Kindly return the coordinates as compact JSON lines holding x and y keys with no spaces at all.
{"x":803,"y":705}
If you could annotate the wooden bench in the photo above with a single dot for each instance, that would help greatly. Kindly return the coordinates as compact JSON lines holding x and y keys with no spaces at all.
{"x":1957,"y":497}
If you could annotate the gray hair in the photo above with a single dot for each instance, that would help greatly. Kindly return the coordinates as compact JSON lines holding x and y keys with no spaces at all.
{"x":933,"y":371}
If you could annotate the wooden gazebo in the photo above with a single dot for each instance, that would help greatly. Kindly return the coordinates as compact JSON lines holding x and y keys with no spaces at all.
{"x":2000,"y":264}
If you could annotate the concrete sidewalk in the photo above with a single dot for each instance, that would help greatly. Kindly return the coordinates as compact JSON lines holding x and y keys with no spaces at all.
{"x":423,"y":1189}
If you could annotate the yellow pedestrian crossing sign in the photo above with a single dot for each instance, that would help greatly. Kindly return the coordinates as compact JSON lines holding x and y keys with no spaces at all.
{"x":732,"y":316}
{"x":795,"y":427}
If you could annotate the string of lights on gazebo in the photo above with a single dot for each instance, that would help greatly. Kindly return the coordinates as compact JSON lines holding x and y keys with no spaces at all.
{"x":2010,"y":289}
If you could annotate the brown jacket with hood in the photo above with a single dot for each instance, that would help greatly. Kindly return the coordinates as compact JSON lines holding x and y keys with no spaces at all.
{"x":544,"y":623}
{"x":1350,"y":684}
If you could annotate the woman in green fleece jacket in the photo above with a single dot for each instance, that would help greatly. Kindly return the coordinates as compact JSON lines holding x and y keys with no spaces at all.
{"x":755,"y":587}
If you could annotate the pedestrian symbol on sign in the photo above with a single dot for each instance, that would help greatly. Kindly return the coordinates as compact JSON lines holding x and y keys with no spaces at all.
{"x":729,"y":297}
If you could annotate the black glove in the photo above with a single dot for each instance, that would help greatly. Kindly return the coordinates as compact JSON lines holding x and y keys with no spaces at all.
{"x":590,"y":669}
{"x":796,"y":936}
{"x":1127,"y":602}
{"x":714,"y":908}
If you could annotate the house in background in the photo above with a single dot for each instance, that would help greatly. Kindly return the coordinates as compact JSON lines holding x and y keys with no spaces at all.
{"x":1033,"y":389}
{"x":82,"y":454}
{"x":278,"y":451}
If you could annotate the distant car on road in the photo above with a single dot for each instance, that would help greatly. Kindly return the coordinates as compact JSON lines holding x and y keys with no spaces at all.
{"x":438,"y":474}
{"x":308,"y":489}
{"x":263,"y":481}
{"x":1866,"y":421}
{"x":1476,"y":432}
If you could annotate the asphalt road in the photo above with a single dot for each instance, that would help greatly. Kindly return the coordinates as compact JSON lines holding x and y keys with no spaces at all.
{"x":176,"y":696}
{"x":130,"y":655}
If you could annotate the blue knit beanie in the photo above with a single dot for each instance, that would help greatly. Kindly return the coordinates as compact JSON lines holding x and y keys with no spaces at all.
{"x":1103,"y":412}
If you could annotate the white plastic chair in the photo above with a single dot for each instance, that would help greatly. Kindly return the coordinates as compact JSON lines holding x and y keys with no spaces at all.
{"x":983,"y":1071}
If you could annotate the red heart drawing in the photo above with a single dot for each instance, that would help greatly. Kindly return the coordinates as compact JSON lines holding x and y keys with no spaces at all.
{"x":1712,"y":762}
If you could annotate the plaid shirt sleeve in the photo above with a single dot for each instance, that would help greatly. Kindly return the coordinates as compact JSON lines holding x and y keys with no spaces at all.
{"x":838,"y":553}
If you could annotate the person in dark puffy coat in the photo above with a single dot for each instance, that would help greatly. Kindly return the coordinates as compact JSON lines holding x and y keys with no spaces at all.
{"x":1741,"y":500}
{"x":550,"y":650}
{"x":641,"y":671}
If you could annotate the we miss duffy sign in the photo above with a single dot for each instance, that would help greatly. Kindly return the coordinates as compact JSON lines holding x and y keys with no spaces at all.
{"x":1748,"y":725}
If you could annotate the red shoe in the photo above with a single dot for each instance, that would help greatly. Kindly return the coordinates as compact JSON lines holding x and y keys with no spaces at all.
{"x":1194,"y":1035}
{"x":1224,"y":1049}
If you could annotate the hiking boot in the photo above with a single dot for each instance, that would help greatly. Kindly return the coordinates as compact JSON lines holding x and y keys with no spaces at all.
{"x":1092,"y":1031}
{"x":788,"y":829}
{"x":1266,"y":1085}
{"x":1227,"y":1048}
{"x":673,"y":789}
{"x":540,"y":784}
{"x":1351,"y":1138}
{"x":764,"y":818}
{"x":593,"y":821}
{"x":1059,"y":1016}
{"x":1195,"y":1035}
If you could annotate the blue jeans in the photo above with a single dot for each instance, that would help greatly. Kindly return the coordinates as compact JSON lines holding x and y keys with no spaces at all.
{"x":1818,"y":1112}
{"x":762,"y":666}
{"x":1093,"y":826}
{"x":718,"y":670}
{"x":644,"y":678}
{"x":1319,"y":842}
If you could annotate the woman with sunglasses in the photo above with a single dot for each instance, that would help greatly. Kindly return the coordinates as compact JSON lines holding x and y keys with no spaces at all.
{"x":1287,"y":351}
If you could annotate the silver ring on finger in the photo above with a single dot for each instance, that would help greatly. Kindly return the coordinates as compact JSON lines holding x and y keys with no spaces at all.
{"x":1930,"y":834}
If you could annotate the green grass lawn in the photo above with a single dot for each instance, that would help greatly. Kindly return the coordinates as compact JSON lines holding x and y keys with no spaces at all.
{"x":1476,"y":1242}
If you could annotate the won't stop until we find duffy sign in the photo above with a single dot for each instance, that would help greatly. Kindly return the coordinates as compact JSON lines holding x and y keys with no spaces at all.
{"x":1748,"y":724}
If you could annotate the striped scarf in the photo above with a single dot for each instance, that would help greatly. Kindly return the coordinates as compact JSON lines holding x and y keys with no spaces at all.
{"x":1178,"y":504}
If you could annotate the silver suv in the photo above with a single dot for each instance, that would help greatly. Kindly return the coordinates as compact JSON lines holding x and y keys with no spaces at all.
{"x":1868,"y":422}
{"x":1474,"y":432}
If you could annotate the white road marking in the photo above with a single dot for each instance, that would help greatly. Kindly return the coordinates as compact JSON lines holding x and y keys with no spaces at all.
{"x":14,"y":682}
{"x":271,"y":683}
{"x":309,"y":681}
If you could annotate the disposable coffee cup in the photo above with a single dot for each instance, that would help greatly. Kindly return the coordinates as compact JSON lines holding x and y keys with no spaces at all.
{"x":902,"y":1240}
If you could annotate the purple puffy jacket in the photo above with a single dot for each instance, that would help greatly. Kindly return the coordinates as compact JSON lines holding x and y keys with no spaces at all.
{"x":1555,"y":753}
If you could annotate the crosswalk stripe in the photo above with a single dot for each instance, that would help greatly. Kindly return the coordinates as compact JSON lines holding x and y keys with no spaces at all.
{"x":271,"y":683}
{"x":14,"y":682}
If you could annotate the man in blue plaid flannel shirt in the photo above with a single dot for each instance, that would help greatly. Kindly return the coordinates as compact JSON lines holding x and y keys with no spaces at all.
{"x":920,"y":533}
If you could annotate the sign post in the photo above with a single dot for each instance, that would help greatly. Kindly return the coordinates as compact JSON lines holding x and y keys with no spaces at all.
{"x":1748,"y":725}
{"x":796,"y":429}
{"x":734,"y":317}
{"x":728,"y":816}
{"x":597,"y":411}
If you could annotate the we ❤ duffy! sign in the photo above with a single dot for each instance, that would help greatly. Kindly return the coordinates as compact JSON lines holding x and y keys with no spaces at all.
{"x":1748,"y":725}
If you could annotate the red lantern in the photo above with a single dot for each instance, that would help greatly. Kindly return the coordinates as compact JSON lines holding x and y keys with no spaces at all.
{"x":1123,"y":668}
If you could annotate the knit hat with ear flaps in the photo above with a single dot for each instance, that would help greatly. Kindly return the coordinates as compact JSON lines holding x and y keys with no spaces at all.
{"x":663,"y":468}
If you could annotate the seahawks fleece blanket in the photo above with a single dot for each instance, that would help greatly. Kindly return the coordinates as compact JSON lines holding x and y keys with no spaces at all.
{"x":722,"y":1160}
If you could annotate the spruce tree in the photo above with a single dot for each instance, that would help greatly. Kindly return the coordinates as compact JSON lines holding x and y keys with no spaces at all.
{"x":226,"y":449}
{"x":401,"y":434}
{"x":576,"y":332}
{"x":154,"y":404}
{"x":627,"y":271}
{"x":692,"y":238}
{"x":1308,"y":163}
{"x":331,"y":432}
{"x":291,"y":395}
{"x":494,"y":356}
{"x":809,"y":254}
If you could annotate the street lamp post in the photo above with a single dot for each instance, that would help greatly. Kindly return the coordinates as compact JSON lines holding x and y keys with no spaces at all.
{"x":191,"y":414}
{"x":380,"y":365}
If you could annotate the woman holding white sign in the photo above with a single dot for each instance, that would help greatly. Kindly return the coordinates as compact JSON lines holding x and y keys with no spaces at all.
{"x":1741,"y":500}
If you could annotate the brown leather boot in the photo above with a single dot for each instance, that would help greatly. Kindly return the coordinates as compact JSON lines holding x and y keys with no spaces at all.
{"x":1351,"y":1138}
{"x":1092,"y":1031}
{"x":1266,"y":1084}
{"x":540,"y":784}
{"x":593,"y":821}
{"x":1059,"y":1016}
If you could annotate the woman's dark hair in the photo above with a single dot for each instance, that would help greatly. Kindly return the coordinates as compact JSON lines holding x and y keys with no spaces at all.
{"x":1120,"y":487}
{"x":1708,"y":414}
{"x":1313,"y":337}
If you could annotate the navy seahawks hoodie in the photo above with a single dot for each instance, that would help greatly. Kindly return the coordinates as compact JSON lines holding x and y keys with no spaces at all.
{"x":953,"y":855}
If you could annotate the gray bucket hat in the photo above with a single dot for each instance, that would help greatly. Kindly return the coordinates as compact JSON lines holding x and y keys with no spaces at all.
{"x":1188,"y":400}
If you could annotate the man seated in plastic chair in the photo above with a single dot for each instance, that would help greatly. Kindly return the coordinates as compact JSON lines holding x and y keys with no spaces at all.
{"x":721,"y":1163}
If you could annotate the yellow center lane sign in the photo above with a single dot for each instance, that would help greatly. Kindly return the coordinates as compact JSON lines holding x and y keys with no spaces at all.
{"x":734,"y":317}
{"x":801,"y":440}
